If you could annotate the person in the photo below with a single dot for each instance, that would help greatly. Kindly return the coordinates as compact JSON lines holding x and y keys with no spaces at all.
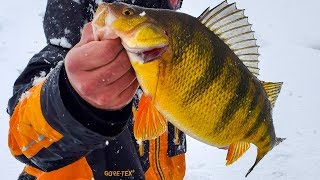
{"x":71,"y":109}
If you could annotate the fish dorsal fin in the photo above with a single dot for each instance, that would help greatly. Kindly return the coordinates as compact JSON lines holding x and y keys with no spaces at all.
{"x":149,"y":123}
{"x":232,"y":26}
{"x":272,"y":89}
{"x":235,"y":151}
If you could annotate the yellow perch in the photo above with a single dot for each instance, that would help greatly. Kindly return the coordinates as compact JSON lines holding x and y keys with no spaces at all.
{"x":198,"y":73}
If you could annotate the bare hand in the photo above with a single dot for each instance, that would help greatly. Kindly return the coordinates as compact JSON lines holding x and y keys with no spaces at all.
{"x":100,"y":72}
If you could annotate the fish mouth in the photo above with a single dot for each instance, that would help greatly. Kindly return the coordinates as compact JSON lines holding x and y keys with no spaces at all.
{"x":145,"y":48}
{"x":147,"y":54}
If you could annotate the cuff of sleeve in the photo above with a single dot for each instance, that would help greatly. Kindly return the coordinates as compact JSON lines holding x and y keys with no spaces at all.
{"x":107,"y":123}
{"x":75,"y":115}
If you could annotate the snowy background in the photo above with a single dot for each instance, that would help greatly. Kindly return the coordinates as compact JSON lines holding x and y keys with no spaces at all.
{"x":288,"y":33}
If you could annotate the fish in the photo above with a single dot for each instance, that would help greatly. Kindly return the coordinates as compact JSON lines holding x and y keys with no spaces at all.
{"x":198,"y":73}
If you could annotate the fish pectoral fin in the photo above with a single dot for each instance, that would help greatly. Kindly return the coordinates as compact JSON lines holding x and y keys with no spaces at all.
{"x":272,"y":89}
{"x":235,"y":151}
{"x":149,"y":123}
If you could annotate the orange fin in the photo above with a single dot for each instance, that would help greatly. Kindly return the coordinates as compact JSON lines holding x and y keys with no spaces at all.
{"x":148,"y":121}
{"x":141,"y":149}
{"x":235,"y":151}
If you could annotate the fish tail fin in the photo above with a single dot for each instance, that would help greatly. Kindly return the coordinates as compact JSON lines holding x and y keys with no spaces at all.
{"x":261,"y":153}
{"x":279,"y":140}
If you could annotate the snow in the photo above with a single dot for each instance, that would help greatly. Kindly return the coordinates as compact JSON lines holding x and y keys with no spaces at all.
{"x":98,"y":1}
{"x":143,"y":13}
{"x":287,"y":32}
{"x":77,"y":1}
{"x":38,"y":79}
{"x":24,"y":96}
{"x":63,"y":41}
{"x":66,"y":31}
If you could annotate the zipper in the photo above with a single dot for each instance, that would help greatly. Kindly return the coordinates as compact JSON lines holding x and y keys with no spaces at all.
{"x":157,"y":155}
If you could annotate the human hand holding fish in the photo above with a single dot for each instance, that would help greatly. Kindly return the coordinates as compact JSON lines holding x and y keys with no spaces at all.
{"x":100,"y":72}
{"x":200,"y":74}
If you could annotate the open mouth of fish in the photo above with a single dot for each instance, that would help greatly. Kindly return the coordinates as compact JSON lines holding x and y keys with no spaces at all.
{"x":102,"y":29}
{"x":147,"y":54}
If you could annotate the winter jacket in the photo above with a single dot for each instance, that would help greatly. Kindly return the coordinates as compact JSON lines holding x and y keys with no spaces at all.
{"x":58,"y":135}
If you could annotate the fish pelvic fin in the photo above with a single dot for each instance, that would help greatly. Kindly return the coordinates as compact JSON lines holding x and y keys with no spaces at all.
{"x":235,"y":151}
{"x":231,"y":25}
{"x":272,"y":89}
{"x":149,"y":123}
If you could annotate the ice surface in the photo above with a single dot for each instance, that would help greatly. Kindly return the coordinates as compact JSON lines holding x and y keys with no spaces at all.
{"x":288,"y":33}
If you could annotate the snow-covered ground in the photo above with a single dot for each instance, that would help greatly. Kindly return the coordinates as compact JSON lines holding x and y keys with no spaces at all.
{"x":288,"y":33}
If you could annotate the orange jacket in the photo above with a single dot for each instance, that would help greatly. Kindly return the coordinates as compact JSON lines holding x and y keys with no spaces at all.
{"x":60,"y":136}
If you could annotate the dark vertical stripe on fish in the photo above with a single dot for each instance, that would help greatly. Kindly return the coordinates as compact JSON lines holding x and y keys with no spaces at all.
{"x":264,"y":137}
{"x":234,"y":104}
{"x":258,"y":122}
{"x":254,"y":103}
{"x":180,"y":45}
{"x":213,"y":71}
{"x":269,"y":133}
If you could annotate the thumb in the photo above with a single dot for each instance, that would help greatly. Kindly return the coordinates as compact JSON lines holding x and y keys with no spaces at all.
{"x":87,"y":35}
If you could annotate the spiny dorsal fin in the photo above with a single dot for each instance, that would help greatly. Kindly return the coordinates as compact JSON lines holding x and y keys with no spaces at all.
{"x":272,"y":89}
{"x":232,"y":26}
{"x":235,"y":151}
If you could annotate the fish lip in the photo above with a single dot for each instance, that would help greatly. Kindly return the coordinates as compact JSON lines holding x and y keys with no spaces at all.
{"x":144,"y":53}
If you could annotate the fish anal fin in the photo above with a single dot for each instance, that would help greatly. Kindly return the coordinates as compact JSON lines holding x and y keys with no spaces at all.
{"x":149,"y":123}
{"x":235,"y":151}
{"x":272,"y":89}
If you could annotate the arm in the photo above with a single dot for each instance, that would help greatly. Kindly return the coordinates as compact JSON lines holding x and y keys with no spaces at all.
{"x":52,"y":123}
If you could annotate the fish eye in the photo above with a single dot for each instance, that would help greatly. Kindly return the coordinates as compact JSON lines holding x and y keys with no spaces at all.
{"x":127,"y":12}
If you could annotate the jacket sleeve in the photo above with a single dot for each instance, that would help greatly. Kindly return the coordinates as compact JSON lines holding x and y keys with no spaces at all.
{"x":51,"y":126}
